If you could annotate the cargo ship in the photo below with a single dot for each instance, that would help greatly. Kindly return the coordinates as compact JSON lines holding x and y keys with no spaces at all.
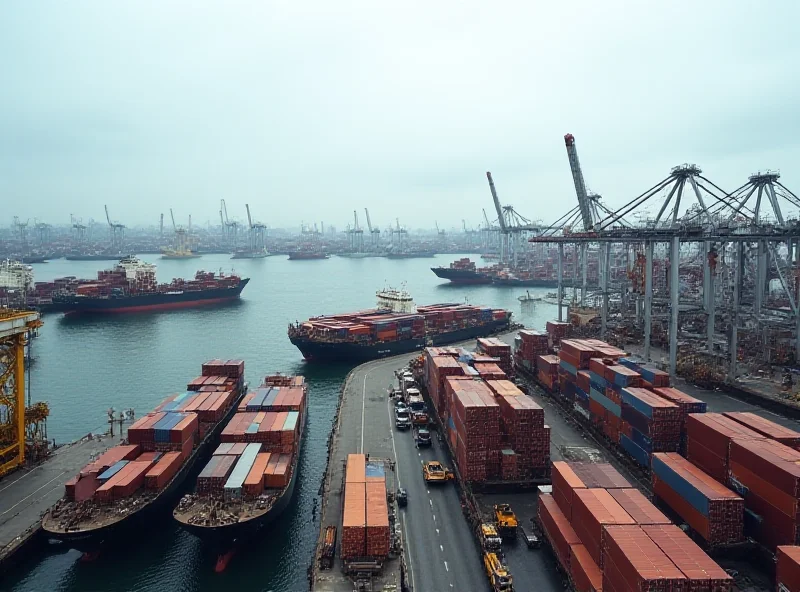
{"x":129,"y":484}
{"x":251,"y":476}
{"x":248,"y":254}
{"x":307,"y":255}
{"x":396,"y":326}
{"x":462,"y":271}
{"x":131,"y":287}
{"x":410,"y":254}
{"x":102,"y":256}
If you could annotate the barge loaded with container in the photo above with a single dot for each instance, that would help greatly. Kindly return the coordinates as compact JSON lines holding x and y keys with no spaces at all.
{"x":131,"y":287}
{"x":395,"y":327}
{"x":251,"y":476}
{"x":129,"y":484}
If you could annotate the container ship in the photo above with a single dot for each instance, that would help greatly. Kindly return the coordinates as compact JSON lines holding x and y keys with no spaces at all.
{"x":125,"y":487}
{"x":462,"y":271}
{"x":396,"y":326}
{"x":131,"y":287}
{"x":410,"y":254}
{"x":307,"y":255}
{"x":251,"y":476}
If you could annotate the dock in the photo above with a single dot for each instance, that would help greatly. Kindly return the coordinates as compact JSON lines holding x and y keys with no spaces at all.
{"x":27,"y":494}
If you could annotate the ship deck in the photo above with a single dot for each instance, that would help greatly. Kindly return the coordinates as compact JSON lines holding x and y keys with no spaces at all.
{"x":27,"y":494}
{"x":227,"y":513}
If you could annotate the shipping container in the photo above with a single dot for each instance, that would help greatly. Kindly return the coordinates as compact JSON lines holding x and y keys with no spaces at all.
{"x":765,"y":427}
{"x":586,"y":576}
{"x":787,"y":569}
{"x":638,"y":507}
{"x":593,"y":511}
{"x":701,"y":572}
{"x":557,"y":530}
{"x":634,"y":562}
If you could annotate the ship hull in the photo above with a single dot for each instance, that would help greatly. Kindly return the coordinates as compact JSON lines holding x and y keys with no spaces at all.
{"x":149,"y":302}
{"x":461,"y":276}
{"x":307,"y":256}
{"x":356,"y":353}
{"x":91,"y":541}
{"x":426,"y":254}
{"x":222,"y":539}
{"x":260,"y":255}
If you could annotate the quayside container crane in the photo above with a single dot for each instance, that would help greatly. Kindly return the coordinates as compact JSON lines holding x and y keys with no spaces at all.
{"x":584,"y":203}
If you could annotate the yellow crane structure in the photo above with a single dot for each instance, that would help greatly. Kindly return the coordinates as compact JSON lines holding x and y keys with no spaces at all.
{"x":17,"y":423}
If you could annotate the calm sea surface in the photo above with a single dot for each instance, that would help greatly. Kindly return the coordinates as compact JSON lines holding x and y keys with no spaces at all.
{"x":85,"y":366}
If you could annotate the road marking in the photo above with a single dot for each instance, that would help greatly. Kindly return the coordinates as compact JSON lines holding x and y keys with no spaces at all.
{"x":407,"y":548}
{"x":437,"y":531}
{"x":429,"y":491}
{"x":394,"y":448}
{"x":434,"y":517}
{"x":442,"y":548}
{"x":445,"y":566}
{"x":363,"y":402}
{"x":33,"y":492}
{"x":430,"y":502}
{"x":771,"y":413}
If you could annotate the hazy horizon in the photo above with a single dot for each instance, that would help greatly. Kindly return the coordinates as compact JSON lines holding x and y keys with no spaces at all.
{"x":308,"y":111}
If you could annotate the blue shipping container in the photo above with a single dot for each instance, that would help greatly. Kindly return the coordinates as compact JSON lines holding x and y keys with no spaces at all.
{"x":112,"y":470}
{"x":270,"y":398}
{"x":639,"y":455}
{"x":641,"y":406}
{"x":680,"y":486}
{"x":642,"y":441}
{"x":568,"y":367}
{"x":635,"y":419}
{"x":580,"y":395}
{"x":208,"y":470}
{"x":605,"y":402}
{"x":375,"y":470}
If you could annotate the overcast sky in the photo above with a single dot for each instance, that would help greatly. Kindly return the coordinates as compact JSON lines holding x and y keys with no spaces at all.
{"x":309,"y":110}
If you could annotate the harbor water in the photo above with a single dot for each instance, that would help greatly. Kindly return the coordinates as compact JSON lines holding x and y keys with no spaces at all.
{"x":84,"y":366}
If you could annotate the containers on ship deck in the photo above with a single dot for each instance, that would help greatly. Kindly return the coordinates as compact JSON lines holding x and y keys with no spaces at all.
{"x":365,"y":518}
{"x":232,"y":490}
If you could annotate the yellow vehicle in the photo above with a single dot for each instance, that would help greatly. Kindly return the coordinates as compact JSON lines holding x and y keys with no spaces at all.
{"x":499,"y":577}
{"x":435,"y":472}
{"x":506,"y":520}
{"x":490,"y":540}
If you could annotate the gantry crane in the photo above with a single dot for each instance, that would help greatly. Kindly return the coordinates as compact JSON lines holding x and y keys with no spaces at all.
{"x":116,"y":232}
{"x":356,"y":235}
{"x":375,"y":233}
{"x":512,"y":224}
{"x":587,"y":204}
{"x":18,"y":425}
{"x":256,"y":237}
{"x":439,"y":231}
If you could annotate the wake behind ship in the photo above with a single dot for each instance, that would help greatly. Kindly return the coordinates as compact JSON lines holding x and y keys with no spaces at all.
{"x":395,"y":327}
{"x":251,"y":476}
{"x":128,"y":485}
{"x":131,"y":287}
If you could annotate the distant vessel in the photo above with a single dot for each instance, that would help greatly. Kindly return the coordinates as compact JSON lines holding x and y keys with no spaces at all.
{"x":101,"y":256}
{"x":410,"y":254}
{"x":246,"y":254}
{"x":15,"y":275}
{"x":126,"y":487}
{"x":306,"y":255}
{"x":179,"y":254}
{"x":462,"y":271}
{"x":528,"y":298}
{"x":396,"y":326}
{"x":251,"y":477}
{"x":355,"y":255}
{"x":131,"y":287}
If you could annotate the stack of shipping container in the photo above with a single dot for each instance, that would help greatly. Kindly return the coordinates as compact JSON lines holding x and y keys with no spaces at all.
{"x":740,"y":474}
{"x":496,"y":432}
{"x":493,"y":347}
{"x":787,"y":568}
{"x":614,"y":539}
{"x":258,"y":445}
{"x":528,"y":346}
{"x":158,"y":443}
{"x":365,"y":513}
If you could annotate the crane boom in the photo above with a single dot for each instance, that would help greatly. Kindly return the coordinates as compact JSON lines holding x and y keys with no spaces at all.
{"x":249,"y":220}
{"x":355,"y":217}
{"x":485,"y":217}
{"x":225,"y":209}
{"x":580,"y":185}
{"x":161,"y":226}
{"x":496,"y":203}
{"x":369,"y":222}
{"x":108,"y":217}
{"x":171,"y":215}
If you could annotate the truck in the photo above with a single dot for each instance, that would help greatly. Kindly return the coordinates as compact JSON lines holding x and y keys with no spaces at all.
{"x":499,"y":577}
{"x":490,"y":540}
{"x":435,"y":472}
{"x":328,"y":548}
{"x":506,"y":521}
{"x":419,"y":412}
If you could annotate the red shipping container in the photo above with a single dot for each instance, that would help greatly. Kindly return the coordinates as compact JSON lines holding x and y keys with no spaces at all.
{"x":601,"y":475}
{"x":564,"y":482}
{"x":557,"y":529}
{"x":768,"y":429}
{"x":708,"y":441}
{"x":702,"y":572}
{"x":638,"y":507}
{"x":354,"y":521}
{"x":787,"y":570}
{"x":635,"y":562}
{"x":254,"y":482}
{"x":584,"y":571}
{"x":595,"y":509}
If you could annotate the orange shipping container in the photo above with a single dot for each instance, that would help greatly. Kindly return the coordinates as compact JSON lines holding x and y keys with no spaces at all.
{"x":163,"y":471}
{"x":356,"y":471}
{"x":254,"y":482}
